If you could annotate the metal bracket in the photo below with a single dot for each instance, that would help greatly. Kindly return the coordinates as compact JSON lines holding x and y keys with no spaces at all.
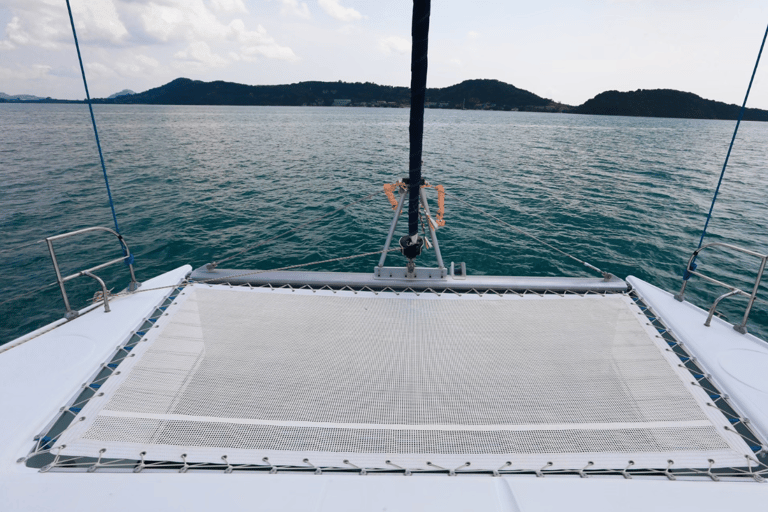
{"x":127,"y":258}
{"x":691,"y":271}
{"x":461,"y":273}
{"x":419,"y":273}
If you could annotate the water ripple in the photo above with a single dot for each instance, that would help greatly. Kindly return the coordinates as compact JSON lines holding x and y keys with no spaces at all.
{"x":193,"y":184}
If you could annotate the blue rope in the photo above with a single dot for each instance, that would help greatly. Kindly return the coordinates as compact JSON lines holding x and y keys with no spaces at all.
{"x":692,"y":266}
{"x":93,"y":120}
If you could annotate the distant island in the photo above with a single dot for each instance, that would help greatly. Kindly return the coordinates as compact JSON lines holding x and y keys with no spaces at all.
{"x":469,"y":95}
{"x":664,"y":103}
{"x":124,"y":92}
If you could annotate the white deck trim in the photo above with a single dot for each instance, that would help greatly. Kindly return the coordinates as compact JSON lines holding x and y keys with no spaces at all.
{"x":713,"y":348}
{"x":388,"y":426}
{"x":40,"y":374}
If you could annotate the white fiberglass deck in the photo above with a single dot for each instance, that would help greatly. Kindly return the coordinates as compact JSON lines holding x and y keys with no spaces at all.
{"x":363,"y":378}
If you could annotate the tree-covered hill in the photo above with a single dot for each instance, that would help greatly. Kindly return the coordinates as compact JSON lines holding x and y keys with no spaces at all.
{"x":471,"y":94}
{"x":664,"y":103}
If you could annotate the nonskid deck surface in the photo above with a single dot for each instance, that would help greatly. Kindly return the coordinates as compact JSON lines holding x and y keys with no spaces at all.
{"x":382,"y":380}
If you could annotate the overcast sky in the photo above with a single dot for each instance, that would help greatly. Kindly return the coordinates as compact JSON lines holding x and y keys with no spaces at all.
{"x":567,"y":51}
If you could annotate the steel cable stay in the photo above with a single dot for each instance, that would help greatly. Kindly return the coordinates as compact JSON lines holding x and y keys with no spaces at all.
{"x":93,"y":119}
{"x":692,"y":265}
{"x":297,"y":228}
{"x":128,"y":256}
{"x":26,"y":294}
{"x":216,"y":263}
{"x":605,"y":275}
{"x":254,"y":272}
{"x":23,"y":246}
{"x":342,"y":258}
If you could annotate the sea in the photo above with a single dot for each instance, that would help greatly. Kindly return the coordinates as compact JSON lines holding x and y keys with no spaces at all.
{"x":195,"y":184}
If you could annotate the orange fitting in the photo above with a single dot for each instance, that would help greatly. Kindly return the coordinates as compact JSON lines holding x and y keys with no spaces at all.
{"x":389,"y":189}
{"x":440,"y":205}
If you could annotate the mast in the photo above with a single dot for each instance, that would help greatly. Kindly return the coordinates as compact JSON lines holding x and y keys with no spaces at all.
{"x":412,"y":244}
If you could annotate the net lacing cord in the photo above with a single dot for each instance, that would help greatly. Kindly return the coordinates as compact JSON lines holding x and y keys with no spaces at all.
{"x":754,"y":468}
{"x":669,"y":471}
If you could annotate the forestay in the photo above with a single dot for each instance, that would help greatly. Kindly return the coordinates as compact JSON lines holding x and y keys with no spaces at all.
{"x":377,"y":379}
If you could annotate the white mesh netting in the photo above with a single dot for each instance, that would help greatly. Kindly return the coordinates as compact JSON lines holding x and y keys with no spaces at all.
{"x":329,"y":377}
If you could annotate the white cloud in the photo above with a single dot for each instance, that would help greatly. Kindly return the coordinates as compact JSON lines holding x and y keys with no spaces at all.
{"x":200,"y":53}
{"x":98,"y":21}
{"x":472,"y":34}
{"x":270,"y":51}
{"x":169,"y":22}
{"x":229,"y":6}
{"x":32,"y":72}
{"x":147,"y":61}
{"x":294,"y":8}
{"x":98,"y":70}
{"x":32,"y":29}
{"x":395,"y":44}
{"x":45,"y":24}
{"x":136,"y":65}
{"x":336,"y":10}
{"x":198,"y":26}
{"x":258,"y":43}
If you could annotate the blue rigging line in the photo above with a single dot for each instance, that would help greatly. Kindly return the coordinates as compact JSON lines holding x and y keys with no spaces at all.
{"x":93,"y":120}
{"x":692,"y":266}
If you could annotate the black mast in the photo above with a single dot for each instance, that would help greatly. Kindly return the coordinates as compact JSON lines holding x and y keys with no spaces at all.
{"x":412,"y":244}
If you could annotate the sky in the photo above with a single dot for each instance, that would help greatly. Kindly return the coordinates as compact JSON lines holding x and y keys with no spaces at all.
{"x":567,"y":51}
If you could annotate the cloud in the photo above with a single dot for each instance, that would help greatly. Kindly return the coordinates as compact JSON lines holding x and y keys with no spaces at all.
{"x":167,"y":22}
{"x":136,"y":65}
{"x":99,"y":21}
{"x":395,"y":44}
{"x":196,"y":25}
{"x":335,"y":10}
{"x":45,"y":24}
{"x":472,"y":34}
{"x":99,"y":70}
{"x":33,"y":29}
{"x":258,"y":43}
{"x":249,"y":53}
{"x":200,"y":53}
{"x":229,"y":6}
{"x":32,"y":72}
{"x":183,"y":23}
{"x":294,"y":8}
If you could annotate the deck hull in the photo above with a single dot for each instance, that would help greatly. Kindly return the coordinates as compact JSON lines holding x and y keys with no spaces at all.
{"x":41,"y":374}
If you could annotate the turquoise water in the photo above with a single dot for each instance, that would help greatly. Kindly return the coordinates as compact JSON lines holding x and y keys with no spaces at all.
{"x":194,"y":184}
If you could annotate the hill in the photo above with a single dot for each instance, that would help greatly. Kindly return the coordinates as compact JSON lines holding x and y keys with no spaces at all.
{"x":19,"y":97}
{"x":124,"y":92}
{"x":469,"y":94}
{"x":664,"y":103}
{"x":485,"y":94}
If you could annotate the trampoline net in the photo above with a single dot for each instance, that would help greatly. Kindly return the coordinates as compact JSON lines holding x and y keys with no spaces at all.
{"x":367,"y":378}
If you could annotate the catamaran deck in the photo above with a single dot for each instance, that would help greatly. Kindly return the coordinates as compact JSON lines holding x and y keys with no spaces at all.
{"x":381,"y":379}
{"x":285,"y":381}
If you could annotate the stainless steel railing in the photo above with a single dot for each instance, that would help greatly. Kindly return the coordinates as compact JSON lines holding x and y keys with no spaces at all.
{"x":733,"y":290}
{"x":70,"y":314}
